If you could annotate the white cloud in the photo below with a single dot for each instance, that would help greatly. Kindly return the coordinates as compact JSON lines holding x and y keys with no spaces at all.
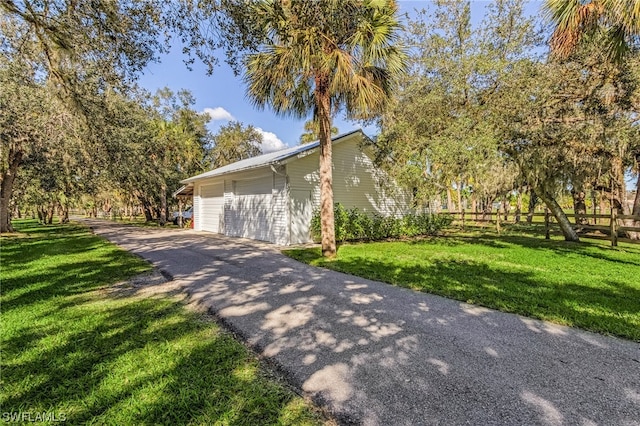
{"x":219,"y":114}
{"x":270,"y":142}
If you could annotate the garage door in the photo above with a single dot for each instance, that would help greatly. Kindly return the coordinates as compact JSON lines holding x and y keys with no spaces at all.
{"x":212,"y":202}
{"x":252,"y":209}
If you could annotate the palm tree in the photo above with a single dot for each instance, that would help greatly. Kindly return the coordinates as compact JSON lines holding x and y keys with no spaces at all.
{"x":312,"y":129}
{"x":325,"y":55}
{"x":617,"y":20}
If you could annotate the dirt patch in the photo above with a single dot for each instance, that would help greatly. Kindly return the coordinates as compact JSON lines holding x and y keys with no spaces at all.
{"x":154,"y":283}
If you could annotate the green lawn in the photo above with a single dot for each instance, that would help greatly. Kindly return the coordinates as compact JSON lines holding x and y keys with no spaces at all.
{"x":587,"y":285}
{"x":75,"y":349}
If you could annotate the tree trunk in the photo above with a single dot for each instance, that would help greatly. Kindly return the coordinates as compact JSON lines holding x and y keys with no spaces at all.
{"x":474,"y":206}
{"x":617,"y":195}
{"x":533,"y":201}
{"x":64,"y":217}
{"x":635,"y":209}
{"x":146,"y":208}
{"x":6,"y":189}
{"x":518,"y":206}
{"x":459,"y":193}
{"x":180,"y":213}
{"x":506,"y":206}
{"x":594,"y":205}
{"x":450,"y":206}
{"x":579,"y":205}
{"x":567,"y":230}
{"x":636,"y":201}
{"x":163,"y":204}
{"x":488,"y":207}
{"x":617,"y":187}
{"x":108,"y":209}
{"x":49,"y":216}
{"x":323,"y":110}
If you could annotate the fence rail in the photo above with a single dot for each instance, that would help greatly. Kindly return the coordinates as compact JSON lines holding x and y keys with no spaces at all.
{"x":610,"y":230}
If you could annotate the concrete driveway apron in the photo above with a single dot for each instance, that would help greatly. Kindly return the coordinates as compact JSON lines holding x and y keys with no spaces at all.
{"x":375,"y":354}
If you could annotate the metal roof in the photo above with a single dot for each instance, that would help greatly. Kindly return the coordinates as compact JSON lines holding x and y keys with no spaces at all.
{"x":184,"y":191}
{"x":272,"y":158}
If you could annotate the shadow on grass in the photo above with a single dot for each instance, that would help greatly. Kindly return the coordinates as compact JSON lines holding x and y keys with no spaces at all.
{"x":596,"y":250}
{"x":68,"y":278}
{"x":611,"y":308}
{"x":145,"y":361}
{"x":70,"y":349}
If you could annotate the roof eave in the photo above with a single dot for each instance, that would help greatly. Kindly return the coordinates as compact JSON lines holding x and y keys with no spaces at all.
{"x":244,"y":169}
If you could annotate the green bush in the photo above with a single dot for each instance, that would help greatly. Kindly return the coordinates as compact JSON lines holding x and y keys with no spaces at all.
{"x":353,"y":224}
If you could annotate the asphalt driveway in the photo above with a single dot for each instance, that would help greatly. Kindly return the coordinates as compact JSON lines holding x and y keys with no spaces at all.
{"x":375,"y":354}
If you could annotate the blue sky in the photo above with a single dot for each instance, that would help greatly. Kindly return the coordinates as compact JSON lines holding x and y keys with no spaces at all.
{"x":223,"y":94}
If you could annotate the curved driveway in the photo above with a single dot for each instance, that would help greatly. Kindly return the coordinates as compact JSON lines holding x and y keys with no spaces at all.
{"x":380,"y":355}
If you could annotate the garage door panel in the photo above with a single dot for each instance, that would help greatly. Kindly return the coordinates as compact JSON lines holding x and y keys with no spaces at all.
{"x":212,"y":206}
{"x":252,"y":210}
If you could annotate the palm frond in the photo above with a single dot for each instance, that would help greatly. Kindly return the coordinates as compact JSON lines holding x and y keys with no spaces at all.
{"x":354,"y":43}
{"x":574,"y":19}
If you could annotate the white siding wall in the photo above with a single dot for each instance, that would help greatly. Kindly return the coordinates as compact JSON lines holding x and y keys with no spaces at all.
{"x":280,"y":208}
{"x":197,"y":214}
{"x":228,"y":203}
{"x":356,"y":183}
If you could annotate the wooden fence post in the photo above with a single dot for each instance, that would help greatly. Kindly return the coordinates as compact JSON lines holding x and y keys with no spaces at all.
{"x":614,"y":227}
{"x":462,"y":214}
{"x":498,"y":220}
{"x":547,"y":234}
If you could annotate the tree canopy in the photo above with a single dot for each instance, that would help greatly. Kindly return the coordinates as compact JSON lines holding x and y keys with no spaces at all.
{"x":234,"y":142}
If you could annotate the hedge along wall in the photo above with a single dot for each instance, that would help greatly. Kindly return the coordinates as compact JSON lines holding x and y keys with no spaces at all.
{"x":353,"y":224}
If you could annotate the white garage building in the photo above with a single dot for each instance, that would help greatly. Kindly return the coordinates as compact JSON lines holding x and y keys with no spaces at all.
{"x":272,"y":197}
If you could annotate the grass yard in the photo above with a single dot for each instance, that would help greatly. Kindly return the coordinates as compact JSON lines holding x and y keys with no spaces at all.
{"x":74,"y":349}
{"x":588,"y":285}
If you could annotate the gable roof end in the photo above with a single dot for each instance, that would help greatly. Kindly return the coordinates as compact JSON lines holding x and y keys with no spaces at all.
{"x":272,"y":158}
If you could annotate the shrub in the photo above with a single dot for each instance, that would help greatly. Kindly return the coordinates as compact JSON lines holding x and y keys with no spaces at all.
{"x":353,"y":224}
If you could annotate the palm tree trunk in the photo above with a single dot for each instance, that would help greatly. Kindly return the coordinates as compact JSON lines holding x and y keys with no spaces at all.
{"x":567,"y":230}
{"x":327,"y":225}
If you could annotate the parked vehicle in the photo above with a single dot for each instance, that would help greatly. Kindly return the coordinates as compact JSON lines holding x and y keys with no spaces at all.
{"x":186,"y":215}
